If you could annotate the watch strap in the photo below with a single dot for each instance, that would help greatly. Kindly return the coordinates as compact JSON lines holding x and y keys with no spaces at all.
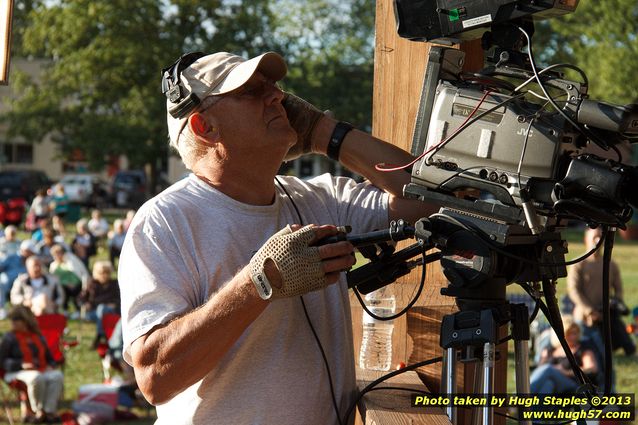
{"x":336,"y":139}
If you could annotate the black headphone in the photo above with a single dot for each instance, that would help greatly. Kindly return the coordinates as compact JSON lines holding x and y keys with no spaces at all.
{"x":185,"y":103}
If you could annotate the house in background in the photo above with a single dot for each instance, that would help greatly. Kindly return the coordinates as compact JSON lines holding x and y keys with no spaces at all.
{"x":25,"y":154}
{"x":43,"y":155}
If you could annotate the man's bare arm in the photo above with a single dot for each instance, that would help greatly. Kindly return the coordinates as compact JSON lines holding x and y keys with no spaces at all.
{"x":360,"y":152}
{"x":174,"y":356}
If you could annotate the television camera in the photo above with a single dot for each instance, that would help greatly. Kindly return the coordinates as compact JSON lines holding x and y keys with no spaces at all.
{"x":509,"y":171}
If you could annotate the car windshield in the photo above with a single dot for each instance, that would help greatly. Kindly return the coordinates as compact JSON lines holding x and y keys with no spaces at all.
{"x":9,"y":180}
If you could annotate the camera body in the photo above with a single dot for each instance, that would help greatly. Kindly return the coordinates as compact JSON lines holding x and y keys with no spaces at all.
{"x":481,"y":131}
{"x":449,"y":21}
{"x":487,"y":156}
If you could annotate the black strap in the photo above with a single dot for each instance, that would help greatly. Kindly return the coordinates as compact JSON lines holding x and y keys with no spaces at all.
{"x":336,"y":139}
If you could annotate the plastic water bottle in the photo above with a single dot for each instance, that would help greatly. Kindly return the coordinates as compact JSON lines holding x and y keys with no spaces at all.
{"x":376,"y":345}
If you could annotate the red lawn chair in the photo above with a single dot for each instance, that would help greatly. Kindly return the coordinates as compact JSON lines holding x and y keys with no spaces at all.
{"x":109,"y":321}
{"x":52,"y":327}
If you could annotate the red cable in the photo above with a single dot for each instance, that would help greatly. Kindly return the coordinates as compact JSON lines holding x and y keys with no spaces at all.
{"x":381,"y":166}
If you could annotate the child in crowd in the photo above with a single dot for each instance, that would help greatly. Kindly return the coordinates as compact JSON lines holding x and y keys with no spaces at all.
{"x":40,"y":205}
{"x":60,"y":202}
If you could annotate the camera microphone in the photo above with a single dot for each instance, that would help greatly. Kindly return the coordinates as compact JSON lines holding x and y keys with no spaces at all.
{"x":607,"y":116}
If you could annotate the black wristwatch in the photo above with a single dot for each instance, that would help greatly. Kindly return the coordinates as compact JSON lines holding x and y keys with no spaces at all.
{"x":336,"y":139}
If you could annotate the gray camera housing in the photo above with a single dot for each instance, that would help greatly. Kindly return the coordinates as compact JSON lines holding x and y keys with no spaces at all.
{"x":495,"y":154}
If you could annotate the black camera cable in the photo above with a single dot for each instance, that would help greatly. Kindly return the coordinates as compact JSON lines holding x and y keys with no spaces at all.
{"x":550,"y":310}
{"x":412,"y":301}
{"x":609,"y":245}
{"x":584,"y":130}
{"x":312,"y":328}
{"x":555,"y":322}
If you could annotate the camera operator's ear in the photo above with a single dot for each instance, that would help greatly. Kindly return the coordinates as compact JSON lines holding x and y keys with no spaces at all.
{"x":202,"y":130}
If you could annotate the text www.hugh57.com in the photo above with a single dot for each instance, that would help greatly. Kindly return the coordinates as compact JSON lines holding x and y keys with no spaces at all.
{"x":575,"y":415}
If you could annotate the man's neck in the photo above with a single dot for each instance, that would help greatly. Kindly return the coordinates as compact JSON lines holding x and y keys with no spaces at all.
{"x":243,"y":188}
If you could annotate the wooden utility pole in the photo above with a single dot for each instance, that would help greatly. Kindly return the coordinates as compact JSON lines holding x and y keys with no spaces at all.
{"x":399,"y":68}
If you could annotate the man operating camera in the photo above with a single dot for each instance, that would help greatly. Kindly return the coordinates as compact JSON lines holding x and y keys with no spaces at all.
{"x":232,"y":313}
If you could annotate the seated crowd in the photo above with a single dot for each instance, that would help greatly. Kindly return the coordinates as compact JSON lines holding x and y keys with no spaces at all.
{"x":52,"y":273}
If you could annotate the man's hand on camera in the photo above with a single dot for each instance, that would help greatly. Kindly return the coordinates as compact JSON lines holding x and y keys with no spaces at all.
{"x":303,"y":118}
{"x":289,"y":264}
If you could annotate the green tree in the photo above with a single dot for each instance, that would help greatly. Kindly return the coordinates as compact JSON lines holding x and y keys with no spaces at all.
{"x":330,"y":45}
{"x":100,"y":93}
{"x":601,"y":37}
{"x":21,"y":11}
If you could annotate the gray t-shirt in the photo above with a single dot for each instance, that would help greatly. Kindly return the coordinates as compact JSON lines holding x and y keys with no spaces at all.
{"x":187,"y":242}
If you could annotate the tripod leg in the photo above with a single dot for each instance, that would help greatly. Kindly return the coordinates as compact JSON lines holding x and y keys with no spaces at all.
{"x":449,"y":381}
{"x":521,"y":354}
{"x":477,"y":388}
{"x":489,"y":355}
{"x":520,"y":332}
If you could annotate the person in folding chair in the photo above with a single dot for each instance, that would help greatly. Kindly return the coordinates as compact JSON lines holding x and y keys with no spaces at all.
{"x":25,"y":357}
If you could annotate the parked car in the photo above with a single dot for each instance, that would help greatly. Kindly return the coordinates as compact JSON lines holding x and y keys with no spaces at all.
{"x":22,"y":184}
{"x":17,"y":190}
{"x":85,"y":189}
{"x":129,"y":188}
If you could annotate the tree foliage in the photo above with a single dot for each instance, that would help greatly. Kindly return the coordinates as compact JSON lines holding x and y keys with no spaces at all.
{"x":330,"y":47}
{"x":601,"y":37}
{"x":98,"y":91}
{"x":101,"y":94}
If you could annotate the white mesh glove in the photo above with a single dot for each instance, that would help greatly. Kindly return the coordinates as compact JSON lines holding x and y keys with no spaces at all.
{"x":298,"y":263}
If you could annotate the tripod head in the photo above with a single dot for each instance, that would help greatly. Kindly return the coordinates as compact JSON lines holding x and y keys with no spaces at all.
{"x":479,"y":255}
